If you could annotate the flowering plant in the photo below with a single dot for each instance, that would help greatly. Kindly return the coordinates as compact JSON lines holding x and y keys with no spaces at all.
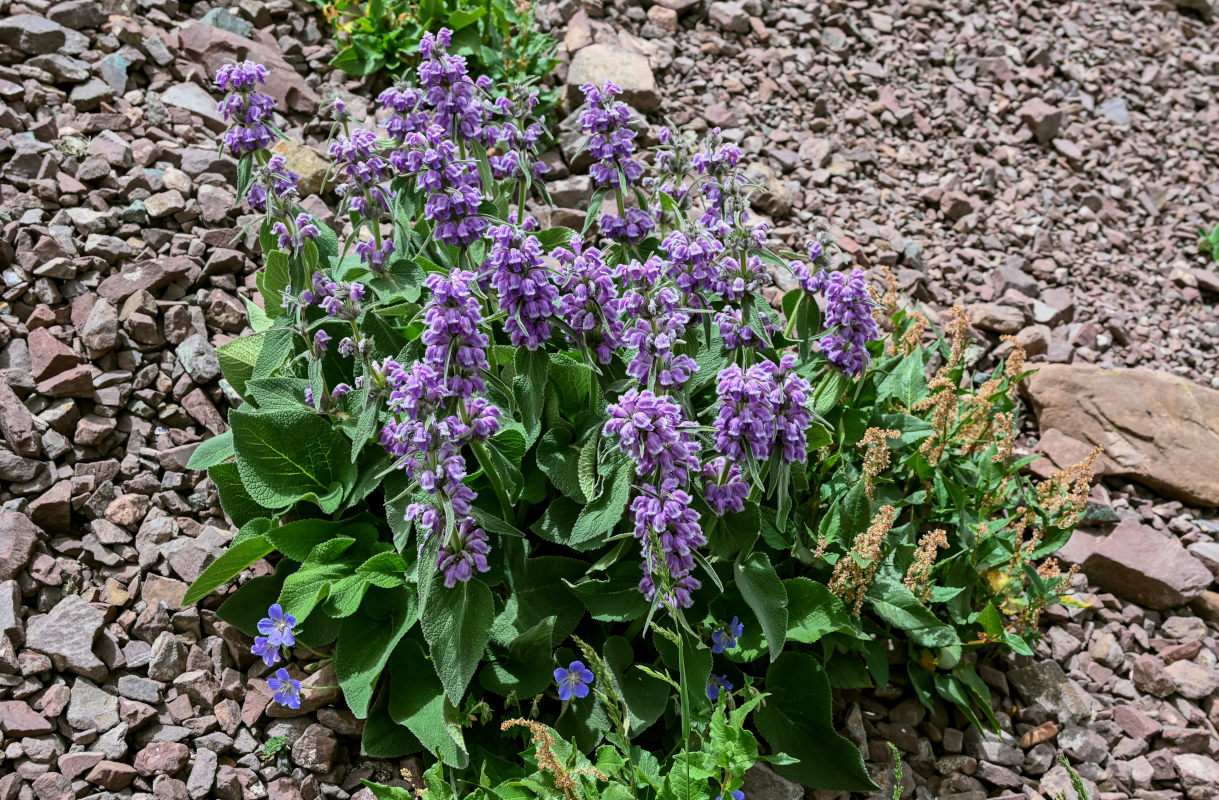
{"x":506,"y":469}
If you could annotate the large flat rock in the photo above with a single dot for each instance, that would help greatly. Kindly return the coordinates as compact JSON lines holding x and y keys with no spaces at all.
{"x":1160,"y":429}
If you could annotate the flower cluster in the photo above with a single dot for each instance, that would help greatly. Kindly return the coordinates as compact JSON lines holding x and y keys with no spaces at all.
{"x":245,"y":109}
{"x":589,"y":303}
{"x":659,"y":325}
{"x":848,"y":316}
{"x":277,"y":633}
{"x":526,"y":294}
{"x":450,"y":182}
{"x":611,"y":142}
{"x":761,"y":408}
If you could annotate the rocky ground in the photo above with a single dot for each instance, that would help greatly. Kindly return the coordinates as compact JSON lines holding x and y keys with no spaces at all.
{"x":1046,"y":164}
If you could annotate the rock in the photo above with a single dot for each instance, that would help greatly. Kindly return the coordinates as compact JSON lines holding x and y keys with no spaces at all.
{"x":1139,"y":563}
{"x":17,"y":426}
{"x":162,"y":758}
{"x":1155,"y":427}
{"x":49,"y":356}
{"x":112,"y":775}
{"x":195,"y":99}
{"x":91,"y":708}
{"x":16,"y":469}
{"x":199,"y":359}
{"x":1149,"y":676}
{"x":100,"y":331}
{"x":53,"y":786}
{"x":202,"y":774}
{"x":91,"y":94}
{"x":305,"y":161}
{"x":311,"y":699}
{"x":1043,"y":119}
{"x":17,"y":719}
{"x":1194,"y":681}
{"x":165,"y":204}
{"x":729,"y":16}
{"x":598,"y":63}
{"x":996,"y":318}
{"x":1057,"y":782}
{"x":226,"y":20}
{"x":17,"y":539}
{"x":168,"y":658}
{"x":764,"y":783}
{"x":1204,"y":7}
{"x":1115,"y":109}
{"x":1045,"y":684}
{"x":1083,"y":744}
{"x":315,"y":749}
{"x":212,"y":47}
{"x":66,"y":635}
{"x":147,"y":276}
{"x":64,"y":69}
{"x":32,"y":34}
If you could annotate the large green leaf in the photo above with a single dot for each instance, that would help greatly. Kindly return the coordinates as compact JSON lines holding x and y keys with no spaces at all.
{"x":796,"y":720}
{"x":234,"y":499}
{"x":366,"y":641}
{"x":645,"y":696}
{"x":418,"y":701}
{"x":603,"y":513}
{"x":559,"y":459}
{"x":457,"y":626}
{"x":311,"y":584}
{"x":813,"y":611}
{"x":237,"y":359}
{"x":212,"y":451}
{"x":227,"y":567}
{"x":285,"y":455}
{"x":526,"y":668}
{"x":766,"y":596}
{"x":897,"y":605}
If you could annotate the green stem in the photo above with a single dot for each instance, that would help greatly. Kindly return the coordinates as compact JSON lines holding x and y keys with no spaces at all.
{"x":484,"y":461}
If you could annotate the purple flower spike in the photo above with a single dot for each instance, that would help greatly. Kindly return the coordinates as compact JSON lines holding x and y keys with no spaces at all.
{"x":277,"y":627}
{"x":848,"y":318}
{"x":468,"y":557}
{"x":285,"y":689}
{"x":573,"y":681}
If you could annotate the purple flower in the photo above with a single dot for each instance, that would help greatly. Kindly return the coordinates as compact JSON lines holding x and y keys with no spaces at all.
{"x":735,"y":332}
{"x":745,"y":424}
{"x":285,"y":689}
{"x":715,"y":685}
{"x":456,"y":344}
{"x":308,"y":395}
{"x":693,"y":264}
{"x":465,"y":555}
{"x":451,"y":184}
{"x":340,"y":390}
{"x":611,"y":142}
{"x":277,"y":627}
{"x":573,"y":681}
{"x":265,"y":650}
{"x":792,"y":415}
{"x":520,"y":277}
{"x":447,"y":89}
{"x":848,"y":318}
{"x":725,"y":638}
{"x":673,"y":524}
{"x":632,"y":227}
{"x":653,"y":431}
{"x":363,"y":173}
{"x":736,"y":794}
{"x":408,"y":114}
{"x":723,"y":488}
{"x":659,"y":323}
{"x":273,"y":182}
{"x":244,"y":108}
{"x":590,"y":305}
{"x":320,"y":340}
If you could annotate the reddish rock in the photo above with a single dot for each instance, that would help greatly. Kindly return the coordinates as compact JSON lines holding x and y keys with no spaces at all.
{"x":17,"y":719}
{"x":75,"y":382}
{"x":18,"y":535}
{"x":1139,"y":563}
{"x":213,"y":48}
{"x":112,"y":775}
{"x":48,"y":355}
{"x":17,"y":424}
{"x":148,"y":275}
{"x":52,"y":510}
{"x":162,"y":758}
{"x":1043,"y":119}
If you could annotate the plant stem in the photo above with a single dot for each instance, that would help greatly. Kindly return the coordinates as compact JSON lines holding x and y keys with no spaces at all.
{"x":484,"y":461}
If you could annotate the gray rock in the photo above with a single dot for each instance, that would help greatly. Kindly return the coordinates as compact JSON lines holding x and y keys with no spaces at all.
{"x":91,"y":94}
{"x":32,"y":34}
{"x":1199,"y":775}
{"x":92,"y":708}
{"x":598,"y":63}
{"x":199,"y":359}
{"x":168,"y":658}
{"x":113,"y":70}
{"x":1082,"y":744}
{"x":1191,"y":680}
{"x":66,"y":634}
{"x":195,"y":99}
{"x":226,"y":20}
{"x":729,"y":16}
{"x":10,"y":611}
{"x":134,"y":687}
{"x":763,"y":783}
{"x":1115,"y":109}
{"x":18,"y":535}
{"x":202,"y":774}
{"x":998,"y":748}
{"x":1045,"y":684}
{"x":64,"y":69}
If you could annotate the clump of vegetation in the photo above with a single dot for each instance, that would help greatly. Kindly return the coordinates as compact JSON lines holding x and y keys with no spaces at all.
{"x":1209,"y":243}
{"x":508,"y":472}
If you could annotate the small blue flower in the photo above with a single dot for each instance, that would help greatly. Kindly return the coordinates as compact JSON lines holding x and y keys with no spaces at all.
{"x":573,"y":681}
{"x":737,"y":794}
{"x":725,"y":638}
{"x":277,"y":627}
{"x":715,"y":685}
{"x":286,"y":689}
{"x":263,"y":648}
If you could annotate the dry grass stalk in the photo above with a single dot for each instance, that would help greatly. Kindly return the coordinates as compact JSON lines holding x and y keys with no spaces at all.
{"x":850,"y":580}
{"x":918,"y":576}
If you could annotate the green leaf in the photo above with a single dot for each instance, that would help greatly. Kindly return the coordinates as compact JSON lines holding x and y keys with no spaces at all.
{"x":645,"y":697}
{"x":527,"y":668}
{"x":457,"y":626}
{"x":603,"y":514}
{"x":277,"y":347}
{"x":907,"y":383}
{"x":237,"y":359}
{"x":227,"y":567}
{"x":272,"y":281}
{"x":556,"y":237}
{"x":285,"y":455}
{"x":307,"y":587}
{"x":616,"y":598}
{"x":278,"y":392}
{"x":366,"y":642}
{"x":212,"y":451}
{"x":383,"y":737}
{"x":529,"y":389}
{"x":766,"y":596}
{"x":297,"y":539}
{"x":417,"y":700}
{"x":386,"y":570}
{"x":897,"y":605}
{"x":831,"y":389}
{"x":559,"y":459}
{"x":813,"y":611}
{"x":234,"y":499}
{"x":796,"y":719}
